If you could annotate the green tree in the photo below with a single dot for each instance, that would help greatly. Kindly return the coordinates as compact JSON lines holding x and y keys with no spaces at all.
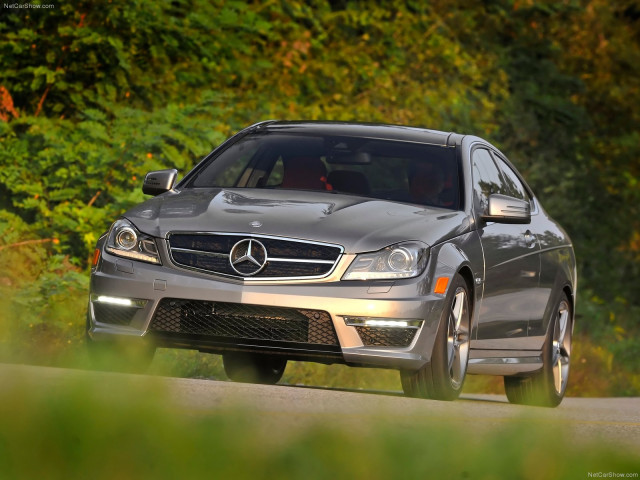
{"x":94,"y":94}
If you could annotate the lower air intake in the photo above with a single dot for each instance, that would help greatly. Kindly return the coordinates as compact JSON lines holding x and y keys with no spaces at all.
{"x":386,"y":337}
{"x":233,"y":321}
{"x":113,"y":314}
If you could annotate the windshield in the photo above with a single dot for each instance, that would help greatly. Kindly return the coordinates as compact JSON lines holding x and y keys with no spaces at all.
{"x":390,"y":170}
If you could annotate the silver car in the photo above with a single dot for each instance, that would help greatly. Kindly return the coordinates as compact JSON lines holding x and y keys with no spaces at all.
{"x":370,"y":245}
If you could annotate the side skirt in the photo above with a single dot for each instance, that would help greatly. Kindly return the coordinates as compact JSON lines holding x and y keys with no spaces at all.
{"x":504,"y":362}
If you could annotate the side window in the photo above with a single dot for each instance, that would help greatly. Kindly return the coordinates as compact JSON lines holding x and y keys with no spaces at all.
{"x":486,"y":179}
{"x":513,"y":185}
{"x":276,"y":175}
{"x":228,"y":170}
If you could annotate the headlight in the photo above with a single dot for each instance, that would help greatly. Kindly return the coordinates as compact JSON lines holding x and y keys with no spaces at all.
{"x":125,"y":241}
{"x":404,"y":260}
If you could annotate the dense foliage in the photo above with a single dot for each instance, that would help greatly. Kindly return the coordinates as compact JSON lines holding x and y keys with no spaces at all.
{"x":94,"y":94}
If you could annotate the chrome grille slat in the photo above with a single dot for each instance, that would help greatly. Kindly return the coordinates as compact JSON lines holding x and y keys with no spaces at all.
{"x":297,"y":260}
{"x":201,"y":252}
{"x":287,"y":258}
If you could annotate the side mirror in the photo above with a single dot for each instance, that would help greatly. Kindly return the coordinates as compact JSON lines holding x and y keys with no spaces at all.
{"x":505,"y":209}
{"x":159,"y":181}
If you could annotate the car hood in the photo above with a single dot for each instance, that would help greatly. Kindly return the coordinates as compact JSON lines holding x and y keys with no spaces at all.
{"x":359,"y":224}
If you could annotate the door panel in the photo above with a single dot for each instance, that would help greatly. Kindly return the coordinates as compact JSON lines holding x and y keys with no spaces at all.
{"x":512,"y":267}
{"x":554,"y":255}
{"x":512,"y":263}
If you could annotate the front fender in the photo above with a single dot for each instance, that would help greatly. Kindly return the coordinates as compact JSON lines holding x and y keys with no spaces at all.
{"x":463,"y":255}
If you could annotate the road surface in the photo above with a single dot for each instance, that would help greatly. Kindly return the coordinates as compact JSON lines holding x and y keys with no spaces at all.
{"x":610,"y":420}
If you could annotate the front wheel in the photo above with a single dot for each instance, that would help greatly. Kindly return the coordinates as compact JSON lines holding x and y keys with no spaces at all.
{"x":254,"y":368}
{"x":443,"y":377}
{"x":547,"y":387}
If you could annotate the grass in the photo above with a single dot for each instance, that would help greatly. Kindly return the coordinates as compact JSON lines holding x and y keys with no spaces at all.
{"x":128,"y":427}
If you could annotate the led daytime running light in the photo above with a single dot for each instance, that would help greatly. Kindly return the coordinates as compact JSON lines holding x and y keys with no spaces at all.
{"x":135,"y":255}
{"x":123,"y":302}
{"x":382,"y":322}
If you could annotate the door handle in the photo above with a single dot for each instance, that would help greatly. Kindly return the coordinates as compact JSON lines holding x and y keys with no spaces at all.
{"x":529,"y":239}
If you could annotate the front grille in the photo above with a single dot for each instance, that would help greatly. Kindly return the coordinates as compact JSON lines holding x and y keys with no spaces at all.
{"x":234,"y":322}
{"x":285,"y":258}
{"x":113,"y":314}
{"x":386,"y":337}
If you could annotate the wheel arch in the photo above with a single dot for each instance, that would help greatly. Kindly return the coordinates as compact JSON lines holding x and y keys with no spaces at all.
{"x":452,"y":258}
{"x":466,"y":273}
{"x":560,"y":288}
{"x":572,"y":303}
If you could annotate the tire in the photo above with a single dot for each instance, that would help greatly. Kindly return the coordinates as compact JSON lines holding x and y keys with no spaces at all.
{"x":443,"y":377}
{"x":120,"y":356}
{"x":546,"y":388}
{"x":254,"y":368}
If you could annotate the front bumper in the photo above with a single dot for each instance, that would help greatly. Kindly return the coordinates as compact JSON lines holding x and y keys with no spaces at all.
{"x":151,"y":287}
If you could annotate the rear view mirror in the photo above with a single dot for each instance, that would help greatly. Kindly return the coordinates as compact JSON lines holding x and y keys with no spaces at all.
{"x":159,"y":181}
{"x":505,"y":209}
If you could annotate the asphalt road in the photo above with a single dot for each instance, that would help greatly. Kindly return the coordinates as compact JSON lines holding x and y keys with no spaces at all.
{"x":610,"y":420}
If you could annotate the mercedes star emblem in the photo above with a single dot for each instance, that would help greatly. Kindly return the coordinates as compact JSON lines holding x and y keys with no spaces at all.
{"x":248,"y":257}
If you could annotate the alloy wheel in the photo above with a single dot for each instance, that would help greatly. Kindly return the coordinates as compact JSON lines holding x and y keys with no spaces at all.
{"x":458,"y":338}
{"x":561,"y":350}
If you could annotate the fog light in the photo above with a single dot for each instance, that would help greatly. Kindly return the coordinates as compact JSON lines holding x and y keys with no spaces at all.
{"x":123,"y":302}
{"x":382,"y":322}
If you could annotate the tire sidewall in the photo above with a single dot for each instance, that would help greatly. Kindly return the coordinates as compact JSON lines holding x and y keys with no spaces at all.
{"x":548,"y":383}
{"x":443,"y":383}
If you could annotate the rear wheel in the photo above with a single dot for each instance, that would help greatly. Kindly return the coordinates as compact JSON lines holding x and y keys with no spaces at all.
{"x":443,"y":377}
{"x":547,"y":387}
{"x":253,"y":367}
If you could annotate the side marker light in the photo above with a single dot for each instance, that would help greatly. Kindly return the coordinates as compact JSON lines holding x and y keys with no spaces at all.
{"x":441,"y":285}
{"x":96,"y":257}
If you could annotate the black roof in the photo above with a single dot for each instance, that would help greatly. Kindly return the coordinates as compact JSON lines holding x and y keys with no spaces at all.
{"x":364,"y":130}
